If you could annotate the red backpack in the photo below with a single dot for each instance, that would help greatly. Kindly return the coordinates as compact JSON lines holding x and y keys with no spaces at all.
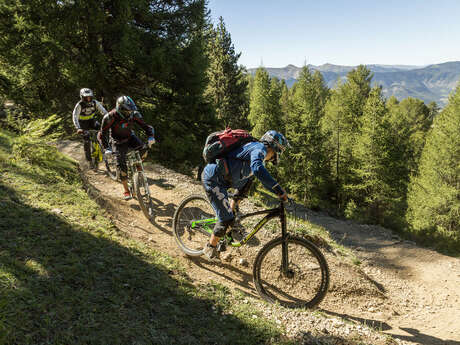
{"x":218,"y":144}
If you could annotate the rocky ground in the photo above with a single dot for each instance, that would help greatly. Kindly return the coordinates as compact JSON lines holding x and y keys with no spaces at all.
{"x":399,"y":293}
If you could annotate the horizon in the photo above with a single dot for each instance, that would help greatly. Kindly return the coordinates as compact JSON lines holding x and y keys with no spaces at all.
{"x":365,"y":64}
{"x":411,"y":33}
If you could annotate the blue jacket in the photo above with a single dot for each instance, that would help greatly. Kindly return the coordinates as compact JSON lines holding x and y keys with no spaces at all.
{"x":244,"y":162}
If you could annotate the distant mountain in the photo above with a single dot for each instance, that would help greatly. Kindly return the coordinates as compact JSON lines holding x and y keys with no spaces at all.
{"x":428,"y":83}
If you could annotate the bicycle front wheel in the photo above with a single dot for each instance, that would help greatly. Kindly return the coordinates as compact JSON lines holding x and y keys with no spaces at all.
{"x":303,"y":282}
{"x":141,"y":187}
{"x":193,"y":222}
{"x":111,"y":167}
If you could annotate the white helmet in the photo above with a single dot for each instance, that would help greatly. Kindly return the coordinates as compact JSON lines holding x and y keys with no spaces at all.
{"x":125,"y":106}
{"x":85,"y":92}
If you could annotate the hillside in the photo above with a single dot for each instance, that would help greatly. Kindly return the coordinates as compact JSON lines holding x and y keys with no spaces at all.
{"x":428,"y":83}
{"x":377,"y":278}
{"x":73,"y":272}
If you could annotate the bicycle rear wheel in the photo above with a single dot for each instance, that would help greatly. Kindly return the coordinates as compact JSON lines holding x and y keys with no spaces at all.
{"x":141,"y":188}
{"x":193,"y":222}
{"x":306,"y":280}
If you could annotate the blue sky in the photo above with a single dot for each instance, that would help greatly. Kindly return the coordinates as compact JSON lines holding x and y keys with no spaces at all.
{"x":282,"y":32}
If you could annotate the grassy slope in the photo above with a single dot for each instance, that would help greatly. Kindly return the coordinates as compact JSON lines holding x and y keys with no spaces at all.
{"x":67,"y":276}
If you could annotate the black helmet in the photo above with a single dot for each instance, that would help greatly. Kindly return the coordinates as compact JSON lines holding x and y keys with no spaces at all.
{"x":125,"y":106}
{"x":277,"y":142}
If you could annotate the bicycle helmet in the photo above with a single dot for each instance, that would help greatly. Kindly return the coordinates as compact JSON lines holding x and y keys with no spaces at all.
{"x":84,"y":93}
{"x":277,"y":142}
{"x":125,"y":106}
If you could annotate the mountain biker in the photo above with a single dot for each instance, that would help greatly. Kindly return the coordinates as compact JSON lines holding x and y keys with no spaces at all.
{"x":118,"y":124}
{"x":237,"y":170}
{"x":84,"y":117}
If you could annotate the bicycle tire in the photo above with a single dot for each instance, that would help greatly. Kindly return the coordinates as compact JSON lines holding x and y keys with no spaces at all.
{"x":181,"y":222}
{"x":111,"y":168}
{"x":141,"y":188}
{"x":310,"y":273}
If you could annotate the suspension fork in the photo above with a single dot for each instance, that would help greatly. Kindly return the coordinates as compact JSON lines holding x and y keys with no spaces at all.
{"x":138,"y":166}
{"x":284,"y":244}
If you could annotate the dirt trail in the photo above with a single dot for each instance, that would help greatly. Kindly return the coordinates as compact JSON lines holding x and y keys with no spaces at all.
{"x":409,"y":292}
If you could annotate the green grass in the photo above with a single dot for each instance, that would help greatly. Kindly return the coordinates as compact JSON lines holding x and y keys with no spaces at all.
{"x":68,"y":276}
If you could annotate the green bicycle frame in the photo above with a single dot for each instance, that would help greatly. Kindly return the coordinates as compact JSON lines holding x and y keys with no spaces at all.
{"x":97,"y":151}
{"x":206,"y":225}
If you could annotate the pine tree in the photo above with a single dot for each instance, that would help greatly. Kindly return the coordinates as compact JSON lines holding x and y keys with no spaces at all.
{"x":306,"y":166}
{"x":342,"y":125}
{"x":276,"y":112}
{"x":150,"y":50}
{"x":411,"y":118}
{"x":265,"y":109}
{"x":286,"y":103}
{"x":434,"y":194}
{"x":227,"y":82}
{"x":373,"y":195}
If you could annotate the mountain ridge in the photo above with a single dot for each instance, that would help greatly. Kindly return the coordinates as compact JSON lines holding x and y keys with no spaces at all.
{"x":429,"y":83}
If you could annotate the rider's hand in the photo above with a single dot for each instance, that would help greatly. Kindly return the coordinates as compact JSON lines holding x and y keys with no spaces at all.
{"x":151,"y":141}
{"x":283,"y":197}
{"x":80,"y":131}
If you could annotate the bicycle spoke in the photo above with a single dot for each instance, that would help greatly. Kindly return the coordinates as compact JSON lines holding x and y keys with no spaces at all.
{"x":302,"y":283}
{"x":143,"y":194}
{"x":191,"y":239}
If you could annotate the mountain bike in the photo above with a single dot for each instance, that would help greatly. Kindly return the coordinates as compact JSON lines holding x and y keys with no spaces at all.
{"x":137,"y":181}
{"x":95,"y":149}
{"x":97,"y":156}
{"x":111,"y":165}
{"x":289,"y":269}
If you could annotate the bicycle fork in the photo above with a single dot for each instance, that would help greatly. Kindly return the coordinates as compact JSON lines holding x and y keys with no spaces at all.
{"x":140,"y":168}
{"x":284,"y":246}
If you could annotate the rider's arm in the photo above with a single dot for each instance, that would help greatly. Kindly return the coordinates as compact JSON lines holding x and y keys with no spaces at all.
{"x":101,"y":108}
{"x":243,"y":191}
{"x":107,"y":122}
{"x":140,"y":121}
{"x":76,"y":115}
{"x":259,"y":171}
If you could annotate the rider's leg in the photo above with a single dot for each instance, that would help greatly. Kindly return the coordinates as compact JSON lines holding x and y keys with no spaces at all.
{"x":135,"y":143}
{"x":120,"y":158}
{"x":125,"y":185}
{"x":216,"y":190}
{"x":85,"y":125}
{"x":219,"y":231}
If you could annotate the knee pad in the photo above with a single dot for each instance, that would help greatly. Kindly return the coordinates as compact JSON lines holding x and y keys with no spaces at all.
{"x":221,"y":227}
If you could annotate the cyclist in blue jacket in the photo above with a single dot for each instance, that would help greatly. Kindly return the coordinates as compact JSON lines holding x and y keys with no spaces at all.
{"x":237,"y":170}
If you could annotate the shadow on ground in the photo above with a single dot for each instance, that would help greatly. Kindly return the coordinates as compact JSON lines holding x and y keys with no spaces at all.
{"x":415,"y":335}
{"x":60,"y":284}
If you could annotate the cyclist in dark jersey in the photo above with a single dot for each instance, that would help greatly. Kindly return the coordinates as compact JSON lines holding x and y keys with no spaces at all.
{"x":237,"y":170}
{"x":84,"y":117}
{"x":118,"y":124}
